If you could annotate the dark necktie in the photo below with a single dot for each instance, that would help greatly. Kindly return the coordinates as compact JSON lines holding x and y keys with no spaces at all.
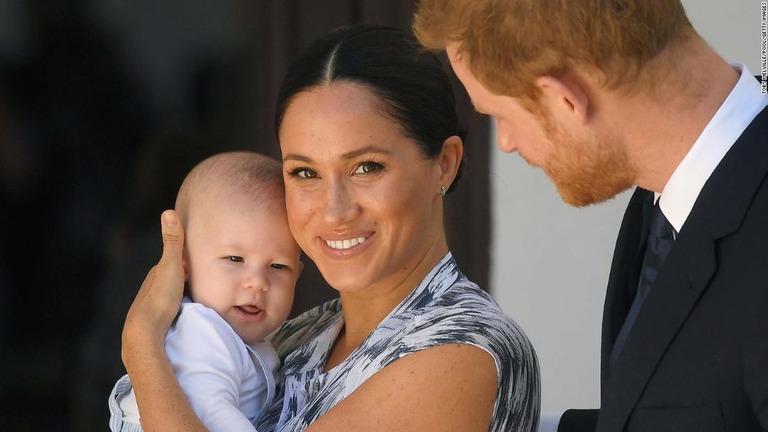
{"x":660,"y":239}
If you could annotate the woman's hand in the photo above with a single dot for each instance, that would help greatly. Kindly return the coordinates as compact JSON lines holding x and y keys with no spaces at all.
{"x":162,"y":404}
{"x":159,"y":298}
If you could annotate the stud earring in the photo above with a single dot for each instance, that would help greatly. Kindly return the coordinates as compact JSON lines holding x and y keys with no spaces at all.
{"x":442,"y":190}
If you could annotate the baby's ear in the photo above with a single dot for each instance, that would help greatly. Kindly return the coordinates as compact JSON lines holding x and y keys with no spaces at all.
{"x":185,"y":264}
{"x":301,"y":267}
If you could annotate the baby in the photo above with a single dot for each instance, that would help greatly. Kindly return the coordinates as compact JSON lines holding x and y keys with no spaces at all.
{"x":241,"y":265}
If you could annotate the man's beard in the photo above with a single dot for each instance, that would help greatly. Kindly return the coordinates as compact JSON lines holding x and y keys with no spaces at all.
{"x":586,"y":171}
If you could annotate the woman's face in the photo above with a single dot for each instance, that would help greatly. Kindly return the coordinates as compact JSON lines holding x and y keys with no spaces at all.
{"x":363,"y":202}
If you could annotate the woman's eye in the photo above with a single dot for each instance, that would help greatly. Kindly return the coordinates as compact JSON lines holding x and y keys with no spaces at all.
{"x":279,"y":266}
{"x":237,"y":259}
{"x":368,"y":168}
{"x":303,"y":173}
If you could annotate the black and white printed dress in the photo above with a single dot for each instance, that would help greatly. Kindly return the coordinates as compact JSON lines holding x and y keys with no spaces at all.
{"x":446,"y":308}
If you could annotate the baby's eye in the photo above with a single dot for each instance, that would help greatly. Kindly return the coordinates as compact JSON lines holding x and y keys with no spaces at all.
{"x":279,"y":266}
{"x":368,"y":168}
{"x":303,"y":173}
{"x":237,"y":259}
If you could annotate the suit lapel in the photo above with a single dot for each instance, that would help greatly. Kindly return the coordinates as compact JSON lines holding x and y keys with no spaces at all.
{"x":669,"y":303}
{"x":719,"y":210}
{"x":625,"y":271}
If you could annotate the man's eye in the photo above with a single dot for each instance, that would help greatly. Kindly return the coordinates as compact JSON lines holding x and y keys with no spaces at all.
{"x":303,"y":173}
{"x":236,"y":259}
{"x":368,"y":168}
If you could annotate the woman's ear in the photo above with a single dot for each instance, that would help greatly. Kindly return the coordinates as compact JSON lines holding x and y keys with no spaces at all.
{"x":565,"y":98}
{"x":449,"y":160}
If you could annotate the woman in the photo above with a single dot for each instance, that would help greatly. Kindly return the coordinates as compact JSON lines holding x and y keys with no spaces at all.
{"x":370,"y":143}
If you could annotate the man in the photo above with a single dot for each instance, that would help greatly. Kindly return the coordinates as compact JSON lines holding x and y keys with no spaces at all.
{"x":604,"y":95}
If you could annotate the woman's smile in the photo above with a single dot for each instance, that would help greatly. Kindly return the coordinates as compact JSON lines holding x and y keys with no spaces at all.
{"x":345,"y":244}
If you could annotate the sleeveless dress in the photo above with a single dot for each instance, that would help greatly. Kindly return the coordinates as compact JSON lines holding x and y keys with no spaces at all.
{"x":446,"y":308}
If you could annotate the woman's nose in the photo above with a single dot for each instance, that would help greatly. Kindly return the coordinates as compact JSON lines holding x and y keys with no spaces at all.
{"x":341,"y":206}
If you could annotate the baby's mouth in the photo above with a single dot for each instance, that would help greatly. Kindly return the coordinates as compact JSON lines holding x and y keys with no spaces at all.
{"x":249,"y":309}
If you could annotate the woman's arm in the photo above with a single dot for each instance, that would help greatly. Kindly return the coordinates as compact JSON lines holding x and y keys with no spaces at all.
{"x":448,"y":387}
{"x":162,"y":404}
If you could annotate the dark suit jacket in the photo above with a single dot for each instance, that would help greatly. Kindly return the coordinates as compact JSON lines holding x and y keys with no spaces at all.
{"x":697,"y":356}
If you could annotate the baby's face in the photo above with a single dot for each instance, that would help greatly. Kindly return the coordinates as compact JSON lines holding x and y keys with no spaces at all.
{"x":243,"y":262}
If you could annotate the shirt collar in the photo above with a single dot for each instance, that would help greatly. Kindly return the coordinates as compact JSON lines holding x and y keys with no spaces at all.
{"x":738,"y":110}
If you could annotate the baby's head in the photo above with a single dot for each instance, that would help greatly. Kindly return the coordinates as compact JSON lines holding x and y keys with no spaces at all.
{"x":240,"y":258}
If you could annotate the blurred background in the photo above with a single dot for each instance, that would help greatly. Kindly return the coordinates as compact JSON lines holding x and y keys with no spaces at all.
{"x":104,"y":107}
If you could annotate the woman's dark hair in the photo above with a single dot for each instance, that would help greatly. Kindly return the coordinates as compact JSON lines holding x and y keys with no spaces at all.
{"x":413,"y":86}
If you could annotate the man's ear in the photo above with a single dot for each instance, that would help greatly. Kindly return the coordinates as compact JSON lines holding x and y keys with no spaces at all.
{"x":564,"y":96}
{"x":450,"y":160}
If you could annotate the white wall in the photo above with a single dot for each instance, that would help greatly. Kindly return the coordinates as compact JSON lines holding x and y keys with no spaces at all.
{"x":550,"y":261}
